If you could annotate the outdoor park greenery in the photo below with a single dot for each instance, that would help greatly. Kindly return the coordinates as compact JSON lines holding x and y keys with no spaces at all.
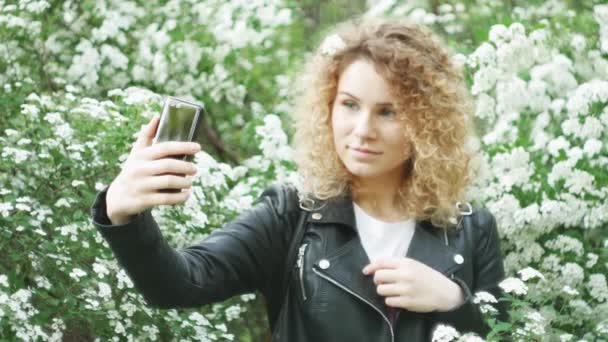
{"x":79,"y":78}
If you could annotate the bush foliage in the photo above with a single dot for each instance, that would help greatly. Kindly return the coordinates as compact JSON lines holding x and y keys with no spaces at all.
{"x":79,"y":78}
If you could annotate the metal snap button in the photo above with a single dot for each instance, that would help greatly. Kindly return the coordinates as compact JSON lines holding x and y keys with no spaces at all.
{"x":324,"y":264}
{"x":458,"y":259}
{"x":316,"y":216}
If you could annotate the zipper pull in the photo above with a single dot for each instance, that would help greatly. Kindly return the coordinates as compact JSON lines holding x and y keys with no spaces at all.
{"x":301,"y":255}
{"x":300,"y":265}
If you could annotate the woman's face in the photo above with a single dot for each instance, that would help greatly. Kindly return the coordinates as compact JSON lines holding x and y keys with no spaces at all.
{"x":368,"y":135}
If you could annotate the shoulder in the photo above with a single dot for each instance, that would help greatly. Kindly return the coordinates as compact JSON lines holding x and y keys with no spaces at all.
{"x":282,"y":197}
{"x":481,"y":222}
{"x":483,"y":218}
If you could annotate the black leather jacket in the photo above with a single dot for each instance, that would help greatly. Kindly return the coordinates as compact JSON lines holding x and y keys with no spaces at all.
{"x":327,"y":301}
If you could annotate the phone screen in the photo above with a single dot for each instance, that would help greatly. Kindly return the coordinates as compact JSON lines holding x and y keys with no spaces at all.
{"x":177,"y":122}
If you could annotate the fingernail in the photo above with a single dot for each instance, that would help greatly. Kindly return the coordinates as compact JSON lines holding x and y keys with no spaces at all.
{"x":365,"y":270}
{"x":196,"y":147}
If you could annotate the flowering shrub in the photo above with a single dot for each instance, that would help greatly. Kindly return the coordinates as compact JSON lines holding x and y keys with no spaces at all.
{"x":69,"y":274}
{"x":540,"y":81}
{"x":544,"y":101}
{"x":65,"y":67}
{"x":81,"y":77}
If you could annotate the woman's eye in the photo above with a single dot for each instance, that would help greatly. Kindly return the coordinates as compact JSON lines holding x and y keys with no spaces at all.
{"x":388,"y":113}
{"x":349,"y":104}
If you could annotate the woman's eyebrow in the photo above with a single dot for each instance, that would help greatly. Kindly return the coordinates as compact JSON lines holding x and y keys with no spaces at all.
{"x":356,"y":98}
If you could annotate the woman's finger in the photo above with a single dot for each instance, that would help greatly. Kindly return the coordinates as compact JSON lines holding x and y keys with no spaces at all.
{"x":390,"y":263}
{"x":146,"y":135}
{"x":155,"y":183}
{"x":386,"y":276}
{"x":168,"y":149}
{"x":167,"y":165}
{"x":166,"y":198}
{"x":392,"y":289}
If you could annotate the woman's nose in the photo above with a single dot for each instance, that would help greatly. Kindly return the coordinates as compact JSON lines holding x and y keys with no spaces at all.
{"x":364,"y":126}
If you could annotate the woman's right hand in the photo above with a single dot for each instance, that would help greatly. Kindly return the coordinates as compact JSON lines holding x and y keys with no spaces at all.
{"x":145,"y":172}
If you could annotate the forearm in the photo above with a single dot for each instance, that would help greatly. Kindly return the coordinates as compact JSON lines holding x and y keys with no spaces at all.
{"x":240,"y":257}
{"x":158,"y":271}
{"x":453,"y":297}
{"x":466,"y":316}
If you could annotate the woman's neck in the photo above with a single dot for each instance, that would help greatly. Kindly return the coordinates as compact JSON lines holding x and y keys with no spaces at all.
{"x":379,"y":198}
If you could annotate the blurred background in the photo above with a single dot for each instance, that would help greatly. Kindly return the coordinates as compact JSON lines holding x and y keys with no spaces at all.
{"x":78,"y":79}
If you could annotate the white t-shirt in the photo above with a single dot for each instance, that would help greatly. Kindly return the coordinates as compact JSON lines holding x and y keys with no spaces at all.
{"x":383,"y":239}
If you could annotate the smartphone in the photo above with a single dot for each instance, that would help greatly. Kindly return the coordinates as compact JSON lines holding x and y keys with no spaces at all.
{"x":180,"y":120}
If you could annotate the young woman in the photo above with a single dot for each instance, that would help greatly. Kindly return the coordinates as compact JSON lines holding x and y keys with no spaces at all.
{"x":390,"y":248}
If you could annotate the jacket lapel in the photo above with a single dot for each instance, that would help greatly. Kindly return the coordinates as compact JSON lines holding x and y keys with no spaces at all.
{"x":347,"y":261}
{"x":345,"y":267}
{"x":431,"y":250}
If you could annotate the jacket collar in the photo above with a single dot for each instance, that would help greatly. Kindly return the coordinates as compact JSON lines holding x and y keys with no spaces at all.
{"x":335,"y":210}
{"x":348,"y":260}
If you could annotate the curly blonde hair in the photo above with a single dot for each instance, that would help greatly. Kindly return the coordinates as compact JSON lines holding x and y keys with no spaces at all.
{"x":431,"y":94}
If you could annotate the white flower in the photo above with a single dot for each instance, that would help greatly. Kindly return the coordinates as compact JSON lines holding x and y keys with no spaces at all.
{"x":471,"y":338}
{"x":444,"y":333}
{"x":23,"y":141}
{"x":99,"y":186}
{"x":514,"y":285}
{"x":128,"y":308}
{"x":535,"y":323}
{"x":11,"y":132}
{"x":233,"y":312}
{"x":117,"y":59}
{"x":21,"y":296}
{"x":332,"y":44}
{"x":77,"y":182}
{"x":591,"y":260}
{"x":123,"y":280}
{"x":274,"y":140}
{"x":484,"y":79}
{"x":557,"y":144}
{"x":43,"y":282}
{"x":100,"y":269}
{"x":62,"y":202}
{"x":578,"y":42}
{"x":485,"y":106}
{"x":572,"y":273}
{"x":487,"y":308}
{"x":5,"y":209}
{"x":499,"y":34}
{"x":484,"y":55}
{"x":529,"y":273}
{"x":199,"y":319}
{"x":580,"y":181}
{"x":77,"y":273}
{"x":248,"y":297}
{"x":3,"y":280}
{"x":592,"y":147}
{"x":597,"y":287}
{"x":104,"y":290}
{"x":459,"y":60}
{"x":484,"y":297}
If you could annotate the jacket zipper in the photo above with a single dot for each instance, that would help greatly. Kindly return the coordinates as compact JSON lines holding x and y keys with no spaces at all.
{"x":361,"y":298}
{"x":300,"y":265}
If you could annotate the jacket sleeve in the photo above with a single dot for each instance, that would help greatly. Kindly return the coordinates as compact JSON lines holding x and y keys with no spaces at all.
{"x":241,"y":257}
{"x":488,"y":272}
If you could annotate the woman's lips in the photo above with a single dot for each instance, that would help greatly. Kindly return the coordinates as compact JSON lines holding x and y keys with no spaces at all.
{"x":365,"y":152}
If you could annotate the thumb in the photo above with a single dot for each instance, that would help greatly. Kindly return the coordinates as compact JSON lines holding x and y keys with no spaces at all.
{"x":146,"y":135}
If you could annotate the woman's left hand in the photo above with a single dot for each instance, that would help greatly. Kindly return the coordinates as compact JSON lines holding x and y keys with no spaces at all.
{"x":409,"y":284}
